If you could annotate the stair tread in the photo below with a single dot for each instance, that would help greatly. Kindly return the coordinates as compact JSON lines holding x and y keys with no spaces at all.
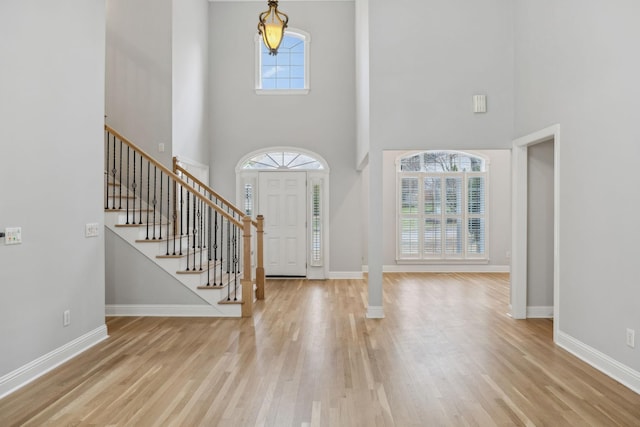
{"x":178,"y":256}
{"x":116,"y":210}
{"x":164,"y":239}
{"x":212,"y":264}
{"x":224,"y":301}
{"x":122,"y":196}
{"x":212,"y":287}
{"x":143,"y":224}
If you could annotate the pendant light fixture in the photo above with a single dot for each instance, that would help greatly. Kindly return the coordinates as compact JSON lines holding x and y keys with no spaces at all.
{"x":271,"y":27}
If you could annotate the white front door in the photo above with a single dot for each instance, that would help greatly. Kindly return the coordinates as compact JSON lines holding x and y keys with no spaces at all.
{"x":282,"y":201}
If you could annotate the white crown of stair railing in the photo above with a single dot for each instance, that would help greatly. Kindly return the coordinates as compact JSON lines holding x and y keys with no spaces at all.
{"x":188,"y":218}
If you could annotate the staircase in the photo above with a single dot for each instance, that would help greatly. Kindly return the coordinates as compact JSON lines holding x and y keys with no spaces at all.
{"x":184,"y":227}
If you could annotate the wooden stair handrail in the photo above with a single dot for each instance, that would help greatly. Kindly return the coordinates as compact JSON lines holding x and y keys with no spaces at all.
{"x":173,"y":176}
{"x":177,"y":167}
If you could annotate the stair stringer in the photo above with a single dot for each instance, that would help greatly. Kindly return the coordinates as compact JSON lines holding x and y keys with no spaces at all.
{"x":215,"y":297}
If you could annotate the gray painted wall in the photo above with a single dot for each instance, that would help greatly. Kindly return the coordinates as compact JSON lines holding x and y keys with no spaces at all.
{"x":322,"y":121}
{"x":190,"y":62}
{"x":575,"y":68}
{"x":540,"y":225}
{"x":139,"y":73}
{"x":132,"y":278}
{"x":51,"y":179}
{"x":426,"y":64}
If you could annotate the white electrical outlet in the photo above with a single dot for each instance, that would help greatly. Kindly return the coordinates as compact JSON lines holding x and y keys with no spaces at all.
{"x":12,"y":235}
{"x":66,"y":318}
{"x":161,"y":147}
{"x":91,"y":229}
{"x":631,"y":338}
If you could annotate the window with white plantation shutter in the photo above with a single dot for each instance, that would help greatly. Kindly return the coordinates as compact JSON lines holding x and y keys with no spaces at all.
{"x":409,"y":247}
{"x":316,"y":223}
{"x":441,"y":207}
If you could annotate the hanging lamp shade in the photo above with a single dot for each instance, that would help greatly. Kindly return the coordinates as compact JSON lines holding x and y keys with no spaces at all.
{"x":271,"y":27}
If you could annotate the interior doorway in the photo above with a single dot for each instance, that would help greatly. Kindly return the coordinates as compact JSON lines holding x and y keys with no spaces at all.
{"x":540,"y":230}
{"x":520,"y":221}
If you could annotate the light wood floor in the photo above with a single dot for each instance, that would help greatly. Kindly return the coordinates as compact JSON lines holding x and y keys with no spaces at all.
{"x":446,"y":354}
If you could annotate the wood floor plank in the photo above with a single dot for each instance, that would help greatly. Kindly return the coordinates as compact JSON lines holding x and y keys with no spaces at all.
{"x":446,"y":354}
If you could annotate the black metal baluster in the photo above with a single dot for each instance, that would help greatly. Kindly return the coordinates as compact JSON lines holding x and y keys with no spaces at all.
{"x":160,"y":215}
{"x":235,"y":262}
{"x":215,"y":244}
{"x":148,"y":195}
{"x":195,"y":230}
{"x":168,"y":211}
{"x":128,"y":173}
{"x":181,"y":219}
{"x":154,"y":201}
{"x":106,"y":171}
{"x":228,"y":247}
{"x":133,"y":186}
{"x":202,"y":235}
{"x":209,"y":247}
{"x":120,"y":179}
{"x":141,"y":189}
{"x":113,"y":175}
{"x":175,"y":217}
{"x":188,"y":237}
{"x":236,"y":248}
{"x":221,"y":248}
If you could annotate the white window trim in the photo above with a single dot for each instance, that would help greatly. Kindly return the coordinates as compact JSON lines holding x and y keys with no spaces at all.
{"x":445,"y":259}
{"x":258,"y":67}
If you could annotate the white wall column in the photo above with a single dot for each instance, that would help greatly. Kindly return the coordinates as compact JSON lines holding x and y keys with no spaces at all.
{"x":375,"y":309}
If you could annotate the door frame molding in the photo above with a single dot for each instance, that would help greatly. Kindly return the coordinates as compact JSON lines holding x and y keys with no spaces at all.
{"x":519,"y":218}
{"x":250,"y":176}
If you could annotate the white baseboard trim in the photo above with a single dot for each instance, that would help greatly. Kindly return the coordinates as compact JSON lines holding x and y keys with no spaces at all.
{"x":540,"y":312}
{"x":168,"y":310}
{"x":375,"y":312}
{"x":345,"y":275}
{"x":441,"y":268}
{"x":611,"y":367}
{"x":35,"y":369}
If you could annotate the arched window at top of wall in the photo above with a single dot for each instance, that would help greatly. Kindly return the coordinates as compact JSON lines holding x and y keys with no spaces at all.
{"x":286,"y":73}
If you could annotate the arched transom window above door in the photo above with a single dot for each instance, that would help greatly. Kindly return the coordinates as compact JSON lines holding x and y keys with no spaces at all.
{"x":283,"y":160}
